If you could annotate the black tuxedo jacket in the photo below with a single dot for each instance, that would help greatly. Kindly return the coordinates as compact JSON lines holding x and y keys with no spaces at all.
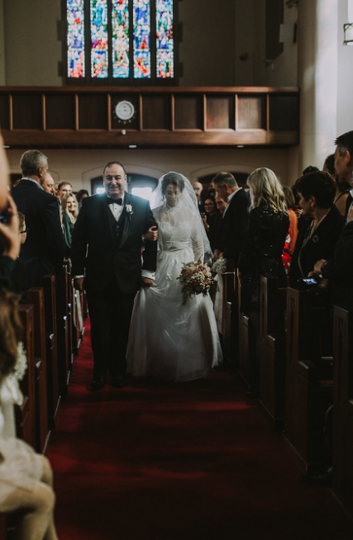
{"x":105,"y":259}
{"x":234,"y":226}
{"x":339,"y":269}
{"x":320,"y":246}
{"x":43,"y":251}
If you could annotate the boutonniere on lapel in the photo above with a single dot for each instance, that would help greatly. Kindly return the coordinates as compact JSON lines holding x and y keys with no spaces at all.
{"x":129,"y":210}
{"x":315,"y":238}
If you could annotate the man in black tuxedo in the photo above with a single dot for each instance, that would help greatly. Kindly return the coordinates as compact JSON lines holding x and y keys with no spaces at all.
{"x":344,"y":162}
{"x":235,"y":217}
{"x":43,"y":251}
{"x":112,"y":226}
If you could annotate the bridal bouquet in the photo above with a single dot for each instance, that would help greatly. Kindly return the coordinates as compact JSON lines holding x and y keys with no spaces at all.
{"x":196,"y":278}
{"x":219,"y":266}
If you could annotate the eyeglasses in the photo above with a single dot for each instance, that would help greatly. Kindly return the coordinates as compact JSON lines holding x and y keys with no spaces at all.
{"x":208,"y":204}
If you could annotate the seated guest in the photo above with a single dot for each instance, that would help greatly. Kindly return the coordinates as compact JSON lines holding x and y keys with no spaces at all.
{"x":25,"y":477}
{"x":344,"y":165}
{"x":339,"y":269}
{"x":69,"y":216}
{"x":9,"y":229}
{"x":44,"y":248}
{"x":342,"y":186}
{"x":82,"y":194}
{"x":264,"y":242}
{"x":19,"y":271}
{"x":47,"y":184}
{"x":293,"y":220}
{"x":211,"y":220}
{"x":235,"y":217}
{"x":318,"y":238}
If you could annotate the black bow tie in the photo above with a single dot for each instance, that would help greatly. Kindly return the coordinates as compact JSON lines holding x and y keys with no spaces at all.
{"x":114,"y":201}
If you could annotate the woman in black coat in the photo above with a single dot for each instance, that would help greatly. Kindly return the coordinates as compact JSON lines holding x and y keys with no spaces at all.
{"x":318,"y":238}
{"x":265,"y":238}
{"x":262,"y":252}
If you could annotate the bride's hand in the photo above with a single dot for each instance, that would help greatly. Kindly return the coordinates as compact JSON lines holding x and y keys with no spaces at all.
{"x":146,"y":282}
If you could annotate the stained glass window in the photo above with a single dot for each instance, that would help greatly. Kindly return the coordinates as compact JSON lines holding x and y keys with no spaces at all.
{"x":99,"y":39}
{"x":75,"y":38}
{"x":120,"y":38}
{"x":142,"y":30}
{"x":164,"y":37}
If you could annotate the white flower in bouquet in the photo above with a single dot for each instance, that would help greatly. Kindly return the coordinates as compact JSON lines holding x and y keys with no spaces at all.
{"x":219,"y":266}
{"x":21,"y":363}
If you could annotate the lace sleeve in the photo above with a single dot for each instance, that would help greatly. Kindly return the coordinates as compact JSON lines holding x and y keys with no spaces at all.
{"x":197,"y":241}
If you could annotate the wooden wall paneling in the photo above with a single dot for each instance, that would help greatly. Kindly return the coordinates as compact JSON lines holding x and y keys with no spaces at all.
{"x":251,"y":112}
{"x":220,"y":112}
{"x":44,"y":119}
{"x":4,"y":111}
{"x":109,"y":112}
{"x":284,"y":112}
{"x":35,"y":296}
{"x":267,"y":120}
{"x":140,"y":123}
{"x":77,"y":116}
{"x":92,"y":111}
{"x":274,"y":17}
{"x":188,"y":112}
{"x":236,"y":114}
{"x":62,"y":316}
{"x":27,"y":111}
{"x":11,"y":112}
{"x":60,"y":111}
{"x":26,"y":413}
{"x":156,"y":112}
{"x":172,"y":104}
{"x":119,"y":124}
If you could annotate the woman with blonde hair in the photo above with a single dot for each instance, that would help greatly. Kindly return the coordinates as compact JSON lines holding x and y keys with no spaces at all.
{"x":69,"y":208}
{"x":263,"y":247}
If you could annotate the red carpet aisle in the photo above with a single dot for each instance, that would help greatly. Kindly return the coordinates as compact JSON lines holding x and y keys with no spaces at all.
{"x":191,"y":461}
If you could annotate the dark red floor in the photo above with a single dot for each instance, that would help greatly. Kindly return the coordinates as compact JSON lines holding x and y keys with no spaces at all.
{"x":190,"y":461}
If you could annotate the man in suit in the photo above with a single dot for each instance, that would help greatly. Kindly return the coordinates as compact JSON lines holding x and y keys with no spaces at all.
{"x":43,"y":251}
{"x":112,"y":226}
{"x":235,"y":217}
{"x":344,"y":162}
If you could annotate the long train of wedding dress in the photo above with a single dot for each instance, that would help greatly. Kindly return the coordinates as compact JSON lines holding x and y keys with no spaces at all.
{"x":168,"y":339}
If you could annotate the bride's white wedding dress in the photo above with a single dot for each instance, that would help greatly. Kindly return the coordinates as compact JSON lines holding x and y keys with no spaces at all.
{"x":169,"y":340}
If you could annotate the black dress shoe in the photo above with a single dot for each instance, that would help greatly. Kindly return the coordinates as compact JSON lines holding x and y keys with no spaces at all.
{"x":119,"y":381}
{"x":253,"y":392}
{"x":324,"y":479}
{"x":97,"y":383}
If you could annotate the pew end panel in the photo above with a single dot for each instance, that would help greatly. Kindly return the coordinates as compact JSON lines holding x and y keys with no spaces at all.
{"x":35,"y":296}
{"x":62,"y":319}
{"x":343,"y":408}
{"x":230,"y":325}
{"x":48,"y":283}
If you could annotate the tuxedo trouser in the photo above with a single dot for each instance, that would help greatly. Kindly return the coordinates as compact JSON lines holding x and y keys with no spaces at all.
{"x":110,"y":313}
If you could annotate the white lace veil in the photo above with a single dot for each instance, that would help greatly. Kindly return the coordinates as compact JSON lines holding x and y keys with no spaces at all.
{"x":188,"y":200}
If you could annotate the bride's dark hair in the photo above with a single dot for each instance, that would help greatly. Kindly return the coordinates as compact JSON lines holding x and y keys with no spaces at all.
{"x":10,"y":331}
{"x":172,"y":178}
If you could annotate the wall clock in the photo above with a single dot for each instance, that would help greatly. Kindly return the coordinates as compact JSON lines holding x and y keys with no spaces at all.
{"x":124,"y":111}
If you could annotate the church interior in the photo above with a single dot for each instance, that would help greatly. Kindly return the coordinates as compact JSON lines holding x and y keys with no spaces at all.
{"x":248,"y":84}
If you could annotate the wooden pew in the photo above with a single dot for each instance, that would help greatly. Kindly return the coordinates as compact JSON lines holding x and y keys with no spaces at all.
{"x":48,"y":283}
{"x":26,"y":413}
{"x":35,"y":296}
{"x":77,"y":332}
{"x":62,"y":316}
{"x":272,"y":345}
{"x":307,"y":376}
{"x":247,"y":346}
{"x":230,"y":316}
{"x":343,"y":408}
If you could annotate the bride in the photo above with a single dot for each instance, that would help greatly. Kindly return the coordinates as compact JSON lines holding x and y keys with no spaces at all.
{"x":168,"y":339}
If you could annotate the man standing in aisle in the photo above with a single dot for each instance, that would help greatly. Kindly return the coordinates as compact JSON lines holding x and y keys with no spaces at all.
{"x":112,"y":226}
